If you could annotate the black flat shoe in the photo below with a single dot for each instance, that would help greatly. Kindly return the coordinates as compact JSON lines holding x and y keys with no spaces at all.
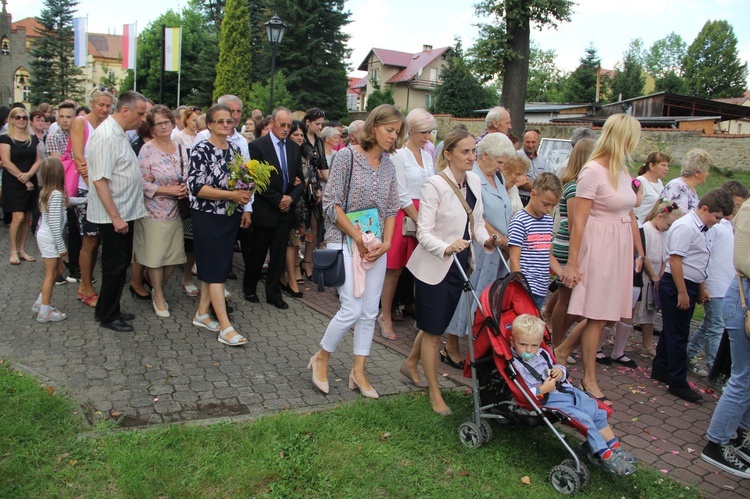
{"x":280,"y":304}
{"x":627,"y":363}
{"x":686,"y":393}
{"x":252,"y":298}
{"x":118,"y":326}
{"x":292,"y":293}
{"x":138,"y":296}
{"x":124,"y":316}
{"x":445,"y":357}
{"x":605,"y":361}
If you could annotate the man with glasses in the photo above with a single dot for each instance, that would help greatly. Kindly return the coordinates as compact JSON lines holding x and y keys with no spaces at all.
{"x":273,"y":209}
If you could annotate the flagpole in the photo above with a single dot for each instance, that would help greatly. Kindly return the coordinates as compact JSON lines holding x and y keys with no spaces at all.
{"x":86,"y":60}
{"x":179,"y":70}
{"x":161,"y":76}
{"x":135,"y":59}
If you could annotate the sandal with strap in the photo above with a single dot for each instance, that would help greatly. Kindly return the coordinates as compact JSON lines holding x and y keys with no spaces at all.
{"x":211,"y":325}
{"x":307,"y":273}
{"x":14,"y":259}
{"x":90,"y":300}
{"x":388,"y":335}
{"x":191,"y":289}
{"x":234,"y":341}
{"x":26,"y":257}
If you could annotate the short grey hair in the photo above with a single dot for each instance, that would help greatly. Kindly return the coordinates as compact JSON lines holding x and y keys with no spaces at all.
{"x":329,"y":132}
{"x":496,"y":145}
{"x":355,"y":127}
{"x":495,"y":114}
{"x":696,"y":161}
{"x":582,"y":132}
{"x":419,"y":120}
{"x":279,"y":110}
{"x":129,"y":99}
{"x":226,"y":99}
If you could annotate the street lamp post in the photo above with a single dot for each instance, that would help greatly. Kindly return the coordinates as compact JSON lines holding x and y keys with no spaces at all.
{"x":275,"y":29}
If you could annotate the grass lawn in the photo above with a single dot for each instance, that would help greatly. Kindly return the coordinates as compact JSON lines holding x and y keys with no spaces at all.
{"x":393,"y":447}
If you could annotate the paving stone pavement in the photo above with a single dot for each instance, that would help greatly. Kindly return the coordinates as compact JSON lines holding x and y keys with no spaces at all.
{"x":168,"y":370}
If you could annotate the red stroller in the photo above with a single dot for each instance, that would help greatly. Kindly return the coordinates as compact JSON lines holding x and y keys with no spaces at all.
{"x":499,"y":392}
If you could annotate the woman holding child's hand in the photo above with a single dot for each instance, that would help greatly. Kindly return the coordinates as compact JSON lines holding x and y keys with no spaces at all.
{"x":454,"y":194}
{"x":602,"y":244}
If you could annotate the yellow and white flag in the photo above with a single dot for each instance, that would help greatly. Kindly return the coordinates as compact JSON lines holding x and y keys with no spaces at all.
{"x":172,"y":48}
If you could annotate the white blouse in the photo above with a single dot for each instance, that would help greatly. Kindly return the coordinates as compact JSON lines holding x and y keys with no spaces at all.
{"x":651,"y":196}
{"x":410,"y":176}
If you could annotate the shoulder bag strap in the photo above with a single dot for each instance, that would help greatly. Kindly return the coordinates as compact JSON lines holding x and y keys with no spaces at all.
{"x":182,"y":162}
{"x":466,"y":206}
{"x":348,"y":188}
{"x":742,"y":293}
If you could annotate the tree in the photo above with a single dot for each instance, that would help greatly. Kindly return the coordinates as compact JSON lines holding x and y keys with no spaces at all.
{"x":629,"y":79}
{"x":313,"y":53}
{"x":663,"y":61}
{"x":54,"y":75}
{"x":199,"y":55}
{"x":234,"y":51}
{"x":379,"y":96}
{"x":109,"y":80}
{"x":461,"y":93}
{"x":546,"y":80}
{"x":581,"y":83}
{"x":502,"y":48}
{"x":712,"y":66}
{"x":260,"y":94}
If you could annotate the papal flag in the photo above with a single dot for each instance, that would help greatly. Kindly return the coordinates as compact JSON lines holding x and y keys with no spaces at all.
{"x":172,"y":48}
{"x":128,"y":46}
{"x":80,"y":41}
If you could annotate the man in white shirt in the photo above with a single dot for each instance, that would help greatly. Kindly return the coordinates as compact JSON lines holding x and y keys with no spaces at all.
{"x":116,"y":202}
{"x":531,"y":140}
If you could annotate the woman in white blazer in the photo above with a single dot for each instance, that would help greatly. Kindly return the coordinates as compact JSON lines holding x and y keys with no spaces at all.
{"x":443,"y":229}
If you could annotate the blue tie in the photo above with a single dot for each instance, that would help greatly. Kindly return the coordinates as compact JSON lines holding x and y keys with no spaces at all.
{"x":282,"y":157}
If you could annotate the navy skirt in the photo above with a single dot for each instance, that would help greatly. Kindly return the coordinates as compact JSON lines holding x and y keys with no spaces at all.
{"x":213,"y":239}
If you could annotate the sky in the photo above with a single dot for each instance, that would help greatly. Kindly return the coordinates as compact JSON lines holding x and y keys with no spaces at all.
{"x":407,"y":26}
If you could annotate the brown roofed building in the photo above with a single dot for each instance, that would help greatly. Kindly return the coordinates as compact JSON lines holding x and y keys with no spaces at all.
{"x":413,"y":77}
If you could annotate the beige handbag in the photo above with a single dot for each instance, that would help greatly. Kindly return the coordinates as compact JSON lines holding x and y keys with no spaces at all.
{"x":409,"y":227}
{"x":744,"y":305}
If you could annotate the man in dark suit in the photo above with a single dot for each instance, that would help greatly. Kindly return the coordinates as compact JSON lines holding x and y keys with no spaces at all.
{"x":273,"y":209}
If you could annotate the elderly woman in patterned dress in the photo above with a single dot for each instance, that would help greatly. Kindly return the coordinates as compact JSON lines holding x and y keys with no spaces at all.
{"x":158,"y":238}
{"x":362,"y":177}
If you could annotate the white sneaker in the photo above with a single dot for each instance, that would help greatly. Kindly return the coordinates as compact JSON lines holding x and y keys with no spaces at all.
{"x":696,"y":369}
{"x":54,"y":315}
{"x":36,"y":306}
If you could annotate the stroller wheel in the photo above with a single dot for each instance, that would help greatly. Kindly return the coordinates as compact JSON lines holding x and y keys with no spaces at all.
{"x":584,"y":475}
{"x":486,"y":430}
{"x":564,"y":480}
{"x":470,"y":435}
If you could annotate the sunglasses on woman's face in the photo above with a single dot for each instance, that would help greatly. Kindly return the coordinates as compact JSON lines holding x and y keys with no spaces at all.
{"x":20,"y":117}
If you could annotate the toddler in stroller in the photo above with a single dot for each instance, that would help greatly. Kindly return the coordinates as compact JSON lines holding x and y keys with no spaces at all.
{"x":548,"y":382}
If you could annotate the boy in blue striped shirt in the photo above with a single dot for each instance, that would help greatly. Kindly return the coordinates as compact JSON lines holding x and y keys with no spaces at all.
{"x":530,"y":236}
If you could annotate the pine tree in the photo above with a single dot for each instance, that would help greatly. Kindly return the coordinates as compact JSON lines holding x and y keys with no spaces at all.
{"x":712,"y":66}
{"x":629,"y":79}
{"x":581,"y":84}
{"x":235,"y":54}
{"x":379,"y":96}
{"x":54,"y":76}
{"x":461,"y":93}
{"x":312,"y":54}
{"x":260,"y":95}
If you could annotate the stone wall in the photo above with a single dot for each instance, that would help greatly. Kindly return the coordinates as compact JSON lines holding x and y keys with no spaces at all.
{"x":728,"y":151}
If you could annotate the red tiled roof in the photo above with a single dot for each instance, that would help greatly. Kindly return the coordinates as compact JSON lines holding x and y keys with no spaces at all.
{"x":103,"y":46}
{"x":417,"y":63}
{"x":387,"y":58}
{"x":354,"y":85}
{"x":31,"y":25}
{"x":607,"y":72}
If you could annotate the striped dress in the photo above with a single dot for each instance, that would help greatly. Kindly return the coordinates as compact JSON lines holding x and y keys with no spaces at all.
{"x":561,"y":243}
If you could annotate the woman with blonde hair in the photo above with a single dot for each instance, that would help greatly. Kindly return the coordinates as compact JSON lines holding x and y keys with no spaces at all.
{"x":561,"y":321}
{"x":187,"y":137}
{"x":19,"y":155}
{"x":363,"y":177}
{"x":101,"y":101}
{"x":604,"y":234}
{"x":682,"y":190}
{"x":413,"y":167}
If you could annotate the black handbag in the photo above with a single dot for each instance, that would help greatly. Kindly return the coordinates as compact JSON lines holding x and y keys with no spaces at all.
{"x":328,"y":264}
{"x":183,"y":204}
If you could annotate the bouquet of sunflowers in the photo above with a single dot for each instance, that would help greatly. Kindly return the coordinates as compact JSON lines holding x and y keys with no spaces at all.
{"x":247,"y":175}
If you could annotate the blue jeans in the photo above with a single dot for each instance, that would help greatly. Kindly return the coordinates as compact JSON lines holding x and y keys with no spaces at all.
{"x":671,"y":351}
{"x":709,"y":332}
{"x":733,"y":410}
{"x":538,"y":300}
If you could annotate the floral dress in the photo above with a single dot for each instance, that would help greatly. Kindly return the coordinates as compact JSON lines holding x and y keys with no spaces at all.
{"x":209,"y":165}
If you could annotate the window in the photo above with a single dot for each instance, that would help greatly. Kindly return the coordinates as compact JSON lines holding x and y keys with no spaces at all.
{"x":375,"y":75}
{"x":26,"y":94}
{"x":433,"y":75}
{"x":5,"y":46}
{"x":429,"y":100}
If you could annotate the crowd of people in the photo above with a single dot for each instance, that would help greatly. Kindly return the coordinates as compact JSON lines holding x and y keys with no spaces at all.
{"x":149,"y":187}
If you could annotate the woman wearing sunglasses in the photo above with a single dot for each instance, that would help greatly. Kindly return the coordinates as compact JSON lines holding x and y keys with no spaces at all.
{"x":20,"y":158}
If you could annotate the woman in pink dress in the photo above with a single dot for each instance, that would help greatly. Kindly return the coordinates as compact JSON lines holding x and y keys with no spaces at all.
{"x":601,"y":256}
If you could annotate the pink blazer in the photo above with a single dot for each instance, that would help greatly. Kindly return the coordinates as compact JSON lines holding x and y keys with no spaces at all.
{"x":442,"y":220}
